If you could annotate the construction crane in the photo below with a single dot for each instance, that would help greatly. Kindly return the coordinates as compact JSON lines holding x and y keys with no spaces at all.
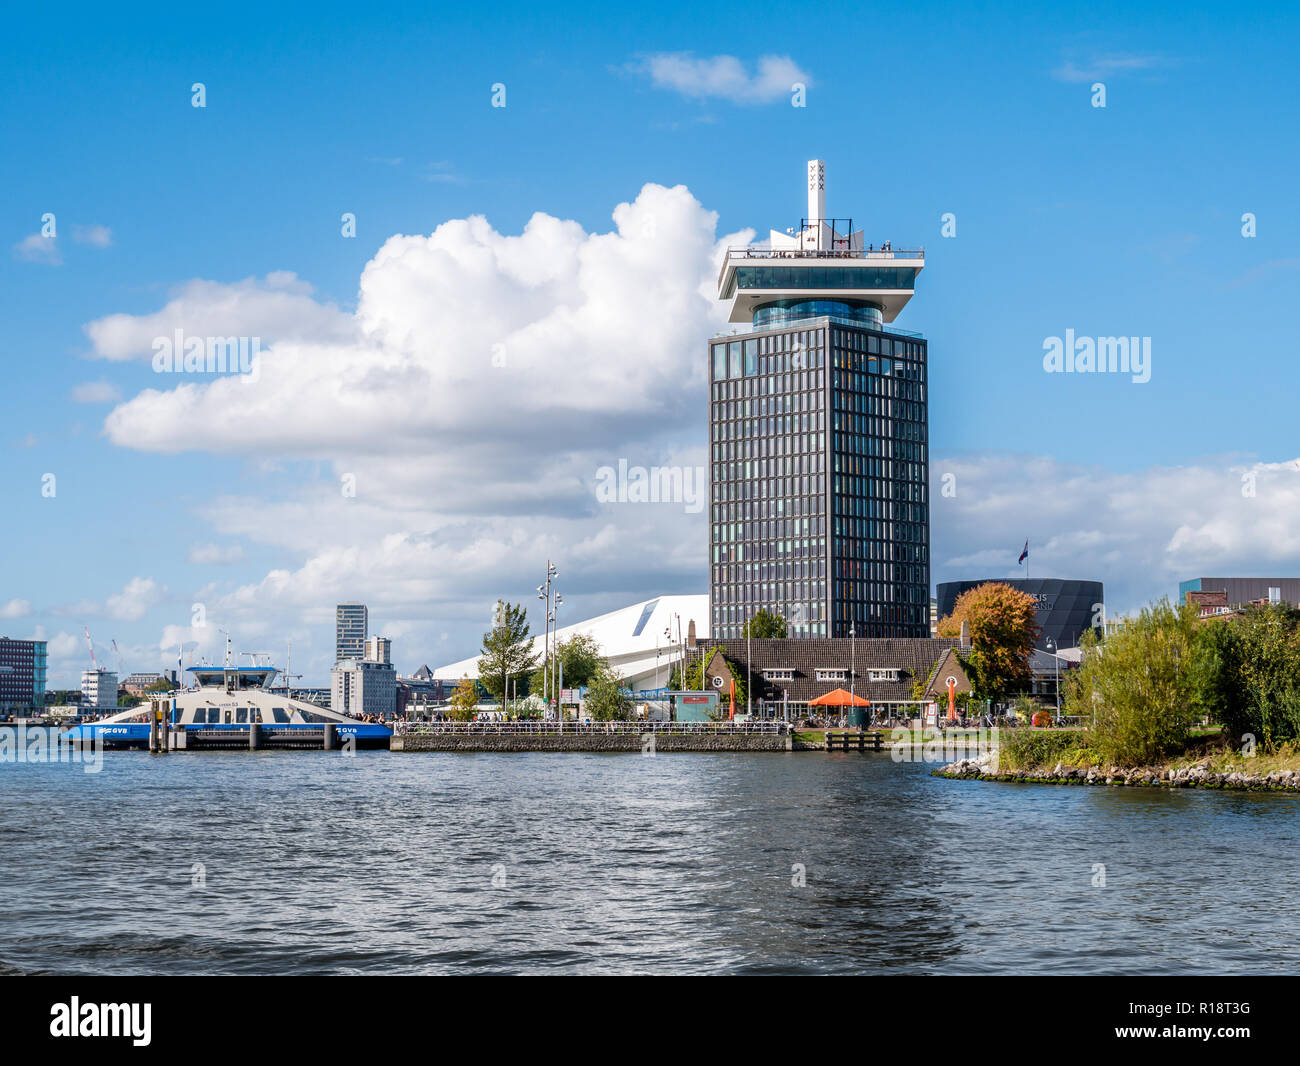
{"x":117,"y":657}
{"x":91,"y":644}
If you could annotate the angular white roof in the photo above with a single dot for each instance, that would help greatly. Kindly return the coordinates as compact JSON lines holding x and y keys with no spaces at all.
{"x":631,"y":638}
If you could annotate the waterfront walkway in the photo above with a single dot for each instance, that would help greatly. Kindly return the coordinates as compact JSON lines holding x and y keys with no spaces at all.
{"x":646,"y":737}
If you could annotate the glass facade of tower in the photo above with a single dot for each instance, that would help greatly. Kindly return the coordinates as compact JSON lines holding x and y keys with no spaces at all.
{"x":819,"y":463}
{"x":880,"y":525}
{"x":351,"y":627}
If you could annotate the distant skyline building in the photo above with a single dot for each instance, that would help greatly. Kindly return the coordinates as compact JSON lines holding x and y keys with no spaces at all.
{"x":138,"y":683}
{"x":23,"y":665}
{"x":379,"y":650}
{"x":98,"y":690}
{"x":351,"y":627}
{"x":818,"y":435}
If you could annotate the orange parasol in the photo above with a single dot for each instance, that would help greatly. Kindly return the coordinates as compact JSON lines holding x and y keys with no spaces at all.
{"x":839,"y":698}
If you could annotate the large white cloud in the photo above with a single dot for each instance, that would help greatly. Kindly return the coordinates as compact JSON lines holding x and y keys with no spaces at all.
{"x":504,"y":369}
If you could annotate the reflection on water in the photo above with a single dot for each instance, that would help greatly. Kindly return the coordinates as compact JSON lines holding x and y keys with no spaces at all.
{"x":313,"y":862}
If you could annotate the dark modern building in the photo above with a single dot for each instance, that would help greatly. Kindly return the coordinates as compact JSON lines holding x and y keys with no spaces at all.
{"x":818,"y":436}
{"x":23,"y":665}
{"x":1066,"y":609}
{"x":1242,"y":591}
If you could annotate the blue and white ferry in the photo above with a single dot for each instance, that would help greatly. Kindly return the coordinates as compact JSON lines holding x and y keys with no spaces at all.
{"x":227,"y":707}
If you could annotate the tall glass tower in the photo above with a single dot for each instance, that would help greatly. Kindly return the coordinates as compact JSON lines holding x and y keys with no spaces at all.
{"x":818,"y":436}
{"x":351,"y":627}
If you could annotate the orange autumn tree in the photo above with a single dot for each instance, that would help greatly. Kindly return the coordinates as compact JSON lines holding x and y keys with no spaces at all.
{"x":1002,"y":635}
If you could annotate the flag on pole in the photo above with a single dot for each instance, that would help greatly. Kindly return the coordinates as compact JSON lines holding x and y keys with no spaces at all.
{"x":1024,"y":554}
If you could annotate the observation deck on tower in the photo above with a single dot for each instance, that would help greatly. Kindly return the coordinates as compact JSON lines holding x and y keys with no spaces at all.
{"x":823,"y":267}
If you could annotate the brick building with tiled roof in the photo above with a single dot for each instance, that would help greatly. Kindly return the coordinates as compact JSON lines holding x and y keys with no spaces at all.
{"x":800,"y":669}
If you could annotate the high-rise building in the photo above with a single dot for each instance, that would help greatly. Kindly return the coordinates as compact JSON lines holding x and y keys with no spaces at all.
{"x":818,"y":436}
{"x":22,"y":674}
{"x":379,"y":650}
{"x":351,"y":627}
{"x":360,"y":686}
{"x":98,"y":690}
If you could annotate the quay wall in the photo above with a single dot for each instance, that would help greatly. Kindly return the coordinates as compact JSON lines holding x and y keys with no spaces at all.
{"x":611,"y":742}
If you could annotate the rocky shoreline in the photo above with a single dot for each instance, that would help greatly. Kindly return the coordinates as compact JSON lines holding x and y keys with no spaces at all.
{"x":1139,"y":777}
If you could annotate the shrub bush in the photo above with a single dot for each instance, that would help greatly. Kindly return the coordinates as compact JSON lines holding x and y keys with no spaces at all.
{"x":1250,"y":675}
{"x":1142,"y":688}
{"x":1021,"y":749}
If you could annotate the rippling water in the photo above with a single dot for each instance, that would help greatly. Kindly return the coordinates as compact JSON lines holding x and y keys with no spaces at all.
{"x":314,"y":863}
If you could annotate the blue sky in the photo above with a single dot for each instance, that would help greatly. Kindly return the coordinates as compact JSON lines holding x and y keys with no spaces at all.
{"x":1123,"y":220}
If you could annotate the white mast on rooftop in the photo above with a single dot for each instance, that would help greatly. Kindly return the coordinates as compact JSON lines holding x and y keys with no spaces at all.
{"x":816,"y":202}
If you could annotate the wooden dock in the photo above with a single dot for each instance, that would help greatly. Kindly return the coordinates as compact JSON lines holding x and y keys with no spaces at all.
{"x":855,"y":740}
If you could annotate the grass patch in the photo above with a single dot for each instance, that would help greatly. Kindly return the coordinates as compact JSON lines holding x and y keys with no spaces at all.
{"x":1041,"y":750}
{"x":1221,"y":759}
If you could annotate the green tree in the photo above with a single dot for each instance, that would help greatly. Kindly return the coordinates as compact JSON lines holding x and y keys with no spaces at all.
{"x":507,"y":650}
{"x":1002,"y":634}
{"x":1142,"y":686}
{"x":694,"y":679}
{"x":464,"y":701}
{"x":764,"y":625}
{"x":606,"y":700}
{"x":1250,"y":676}
{"x":580,"y":659}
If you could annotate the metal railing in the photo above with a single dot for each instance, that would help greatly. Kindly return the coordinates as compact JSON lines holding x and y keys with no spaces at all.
{"x":826,"y":253}
{"x":603,"y":728}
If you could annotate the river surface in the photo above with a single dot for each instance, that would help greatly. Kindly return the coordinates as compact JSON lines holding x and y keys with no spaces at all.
{"x":315,"y":862}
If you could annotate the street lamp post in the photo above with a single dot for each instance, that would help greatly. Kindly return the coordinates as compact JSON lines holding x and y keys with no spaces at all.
{"x":680,"y":648}
{"x":557,"y":674}
{"x":749,"y":671}
{"x":544,"y":594}
{"x":853,"y":664}
{"x":1057,"y":659}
